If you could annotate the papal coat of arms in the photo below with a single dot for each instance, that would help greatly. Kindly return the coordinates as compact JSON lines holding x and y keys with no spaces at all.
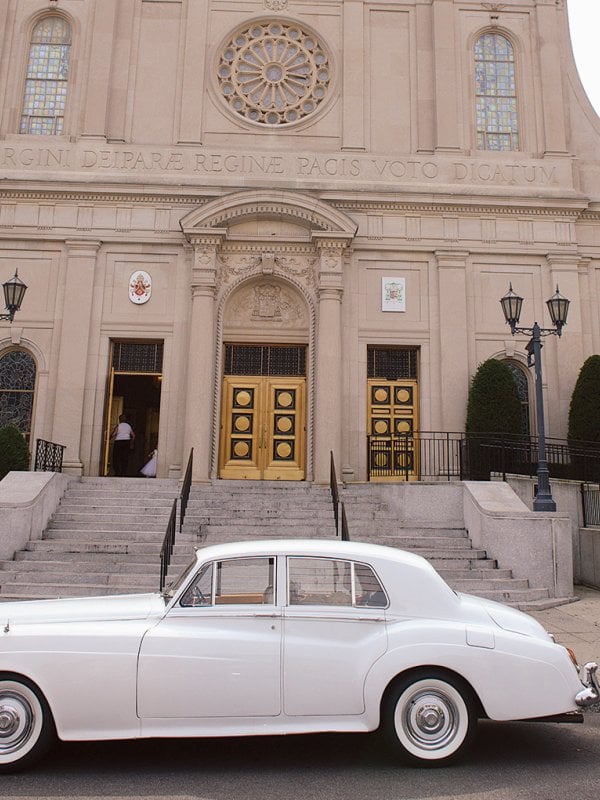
{"x":140,"y":287}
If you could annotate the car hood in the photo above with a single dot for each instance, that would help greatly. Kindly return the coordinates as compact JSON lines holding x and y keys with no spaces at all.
{"x":81,"y":609}
{"x":507,"y":618}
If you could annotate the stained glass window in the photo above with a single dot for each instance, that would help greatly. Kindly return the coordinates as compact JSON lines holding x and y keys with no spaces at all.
{"x":17,"y":386}
{"x":46,"y":79}
{"x":496,"y":94}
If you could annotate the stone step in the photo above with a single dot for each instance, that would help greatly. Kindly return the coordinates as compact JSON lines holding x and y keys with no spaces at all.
{"x":412,"y":543}
{"x":103,"y":524}
{"x":181,"y":556}
{"x":121,"y":566}
{"x":453,"y":575}
{"x":134,"y":581}
{"x":513,"y":597}
{"x":475,"y":585}
{"x":51,"y":590}
{"x":112,"y":547}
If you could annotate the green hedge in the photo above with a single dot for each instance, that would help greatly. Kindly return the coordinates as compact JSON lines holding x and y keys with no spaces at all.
{"x":14,"y":453}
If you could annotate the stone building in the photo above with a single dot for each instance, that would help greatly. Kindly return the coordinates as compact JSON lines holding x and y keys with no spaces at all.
{"x":268,"y":229}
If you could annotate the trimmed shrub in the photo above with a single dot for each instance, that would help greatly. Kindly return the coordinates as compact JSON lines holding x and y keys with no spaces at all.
{"x":494,"y":405}
{"x":14,"y":454}
{"x":584,"y":412}
{"x":494,"y":423}
{"x":584,"y":422}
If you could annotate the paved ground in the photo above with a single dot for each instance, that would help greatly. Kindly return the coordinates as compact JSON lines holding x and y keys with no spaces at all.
{"x":576,"y":625}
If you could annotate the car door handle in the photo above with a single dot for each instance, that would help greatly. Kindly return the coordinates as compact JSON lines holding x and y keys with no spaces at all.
{"x":269,"y":614}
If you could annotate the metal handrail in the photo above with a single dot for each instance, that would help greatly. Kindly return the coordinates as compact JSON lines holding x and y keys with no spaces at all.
{"x":168,"y":545}
{"x":48,"y":456}
{"x":333,"y":488}
{"x":339,"y":510}
{"x":185,"y":489}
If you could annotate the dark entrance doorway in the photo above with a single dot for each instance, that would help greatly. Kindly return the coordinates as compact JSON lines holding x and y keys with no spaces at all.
{"x":134,"y":389}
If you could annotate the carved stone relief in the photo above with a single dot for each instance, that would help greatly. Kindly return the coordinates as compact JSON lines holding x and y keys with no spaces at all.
{"x":266,"y":304}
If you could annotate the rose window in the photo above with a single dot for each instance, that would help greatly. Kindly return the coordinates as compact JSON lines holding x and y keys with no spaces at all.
{"x":274,"y":73}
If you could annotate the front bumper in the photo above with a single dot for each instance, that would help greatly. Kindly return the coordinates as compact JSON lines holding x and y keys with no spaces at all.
{"x":591,"y":693}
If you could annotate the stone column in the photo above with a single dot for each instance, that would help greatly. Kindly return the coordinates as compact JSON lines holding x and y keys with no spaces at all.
{"x":99,"y":58}
{"x":75,"y":315}
{"x":328,"y":424}
{"x":446,"y":79}
{"x":454,"y":338}
{"x":201,"y":356}
{"x":353,"y":94}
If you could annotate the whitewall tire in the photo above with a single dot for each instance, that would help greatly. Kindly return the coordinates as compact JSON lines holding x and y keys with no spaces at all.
{"x":429,"y":718}
{"x":26,"y":725}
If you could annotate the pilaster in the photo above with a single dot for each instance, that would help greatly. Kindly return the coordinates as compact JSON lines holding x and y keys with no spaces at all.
{"x":454,"y":348}
{"x":328,"y":379}
{"x":353,"y":94}
{"x":201,"y":355}
{"x":76,"y":314}
{"x":95,"y":111}
{"x":446,"y":79}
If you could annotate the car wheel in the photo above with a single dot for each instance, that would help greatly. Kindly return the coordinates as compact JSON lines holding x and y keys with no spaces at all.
{"x":430,"y":718}
{"x":26,"y":724}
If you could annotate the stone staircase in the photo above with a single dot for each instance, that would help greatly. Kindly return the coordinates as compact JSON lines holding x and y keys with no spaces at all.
{"x":106,"y":535}
{"x":105,"y":538}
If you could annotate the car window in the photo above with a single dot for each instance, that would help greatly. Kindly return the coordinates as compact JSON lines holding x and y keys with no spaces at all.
{"x":367,"y":589}
{"x":236,"y":581}
{"x":332,"y":582}
{"x":319,"y":581}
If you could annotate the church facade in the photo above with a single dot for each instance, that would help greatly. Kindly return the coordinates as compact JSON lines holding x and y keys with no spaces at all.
{"x":271,"y":229}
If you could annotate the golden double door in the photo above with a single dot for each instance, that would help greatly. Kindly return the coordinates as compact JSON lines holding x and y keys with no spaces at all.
{"x":263,"y":428}
{"x":393,"y":425}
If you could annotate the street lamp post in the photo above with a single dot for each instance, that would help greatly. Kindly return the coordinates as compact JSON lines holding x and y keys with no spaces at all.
{"x":558,"y":306}
{"x":14,"y":292}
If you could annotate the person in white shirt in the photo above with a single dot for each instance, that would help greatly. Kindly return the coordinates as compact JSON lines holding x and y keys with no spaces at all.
{"x":122,"y":435}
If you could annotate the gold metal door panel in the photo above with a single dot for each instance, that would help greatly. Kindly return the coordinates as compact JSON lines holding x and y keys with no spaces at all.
{"x":262,"y":428}
{"x":392,"y":423}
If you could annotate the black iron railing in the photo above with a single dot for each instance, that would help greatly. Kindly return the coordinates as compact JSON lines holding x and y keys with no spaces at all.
{"x":168,"y":545}
{"x":169,"y":540}
{"x":48,"y":456}
{"x":475,"y":456}
{"x":590,"y":497}
{"x":185,"y":489}
{"x":339,"y":511}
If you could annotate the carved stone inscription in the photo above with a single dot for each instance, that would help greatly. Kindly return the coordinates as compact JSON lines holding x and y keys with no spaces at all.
{"x":213,"y":167}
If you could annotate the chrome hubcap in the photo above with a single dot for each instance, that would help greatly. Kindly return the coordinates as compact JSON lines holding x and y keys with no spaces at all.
{"x":430,"y":719}
{"x":16,"y":721}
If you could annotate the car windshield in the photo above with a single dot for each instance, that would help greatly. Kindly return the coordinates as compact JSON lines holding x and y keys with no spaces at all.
{"x":172,"y":588}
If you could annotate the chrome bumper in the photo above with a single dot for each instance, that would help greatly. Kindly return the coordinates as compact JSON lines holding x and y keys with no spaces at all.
{"x":589,"y":678}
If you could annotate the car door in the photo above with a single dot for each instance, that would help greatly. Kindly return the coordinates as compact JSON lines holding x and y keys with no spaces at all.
{"x":334,"y":631}
{"x":217,"y":652}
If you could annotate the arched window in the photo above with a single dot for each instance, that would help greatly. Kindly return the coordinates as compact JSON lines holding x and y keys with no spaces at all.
{"x":17,"y":387}
{"x":46,"y":79}
{"x":496,"y":94}
{"x":522,"y":381}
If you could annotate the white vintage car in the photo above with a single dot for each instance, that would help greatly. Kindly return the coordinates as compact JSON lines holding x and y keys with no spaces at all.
{"x":276,"y":637}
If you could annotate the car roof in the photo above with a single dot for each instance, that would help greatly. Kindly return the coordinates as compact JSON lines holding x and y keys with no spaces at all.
{"x":331,"y":548}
